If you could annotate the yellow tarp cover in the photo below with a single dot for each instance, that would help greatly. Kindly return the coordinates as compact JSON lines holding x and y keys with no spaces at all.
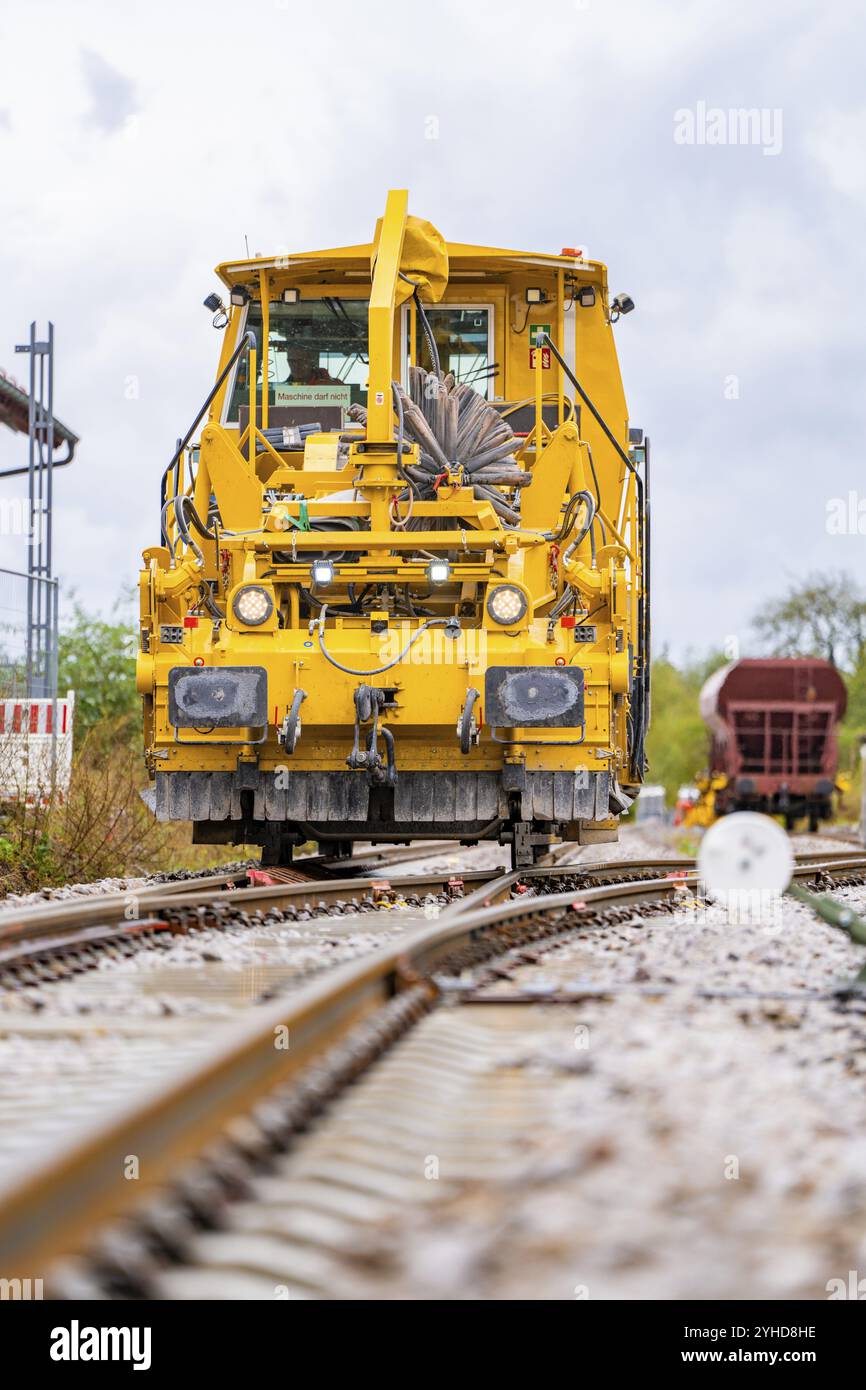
{"x":424,"y":260}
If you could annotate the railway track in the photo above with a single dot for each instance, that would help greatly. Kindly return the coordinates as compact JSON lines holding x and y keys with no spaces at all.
{"x":210,"y":1136}
{"x":70,"y":933}
{"x":53,"y":939}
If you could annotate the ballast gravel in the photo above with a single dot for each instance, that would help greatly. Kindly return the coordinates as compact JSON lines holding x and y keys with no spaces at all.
{"x":689,"y":1121}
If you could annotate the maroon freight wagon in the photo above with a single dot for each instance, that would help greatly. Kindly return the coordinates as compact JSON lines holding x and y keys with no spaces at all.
{"x":772,"y":725}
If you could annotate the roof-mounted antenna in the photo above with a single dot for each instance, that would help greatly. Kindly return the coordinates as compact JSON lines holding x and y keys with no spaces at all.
{"x":247,"y":244}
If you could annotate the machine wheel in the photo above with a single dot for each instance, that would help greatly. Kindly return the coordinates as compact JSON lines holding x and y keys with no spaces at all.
{"x":521,"y":846}
{"x":336,"y":849}
{"x":528,"y":847}
{"x":277,"y":852}
{"x":813,"y":825}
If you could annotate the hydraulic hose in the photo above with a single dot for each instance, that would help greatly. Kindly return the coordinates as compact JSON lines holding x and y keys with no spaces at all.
{"x":390,"y":755}
{"x":472,"y":695}
{"x":425,"y":325}
{"x":589,"y":501}
{"x":567,"y":523}
{"x":377,"y":670}
{"x":187,"y":506}
{"x":293,"y":721}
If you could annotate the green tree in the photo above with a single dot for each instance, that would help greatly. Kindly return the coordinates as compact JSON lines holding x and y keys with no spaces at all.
{"x":823,"y":616}
{"x":677,"y":741}
{"x":96,"y":659}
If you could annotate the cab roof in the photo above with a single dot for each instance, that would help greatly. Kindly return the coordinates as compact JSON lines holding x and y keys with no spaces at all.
{"x":353,"y":260}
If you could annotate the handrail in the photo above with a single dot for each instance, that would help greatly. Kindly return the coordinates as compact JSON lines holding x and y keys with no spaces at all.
{"x":248,"y":342}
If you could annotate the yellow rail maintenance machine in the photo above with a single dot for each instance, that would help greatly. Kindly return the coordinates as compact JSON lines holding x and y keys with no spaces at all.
{"x":401,"y":590}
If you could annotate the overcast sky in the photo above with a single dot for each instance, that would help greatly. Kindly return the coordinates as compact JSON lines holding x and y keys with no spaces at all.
{"x":140,"y":143}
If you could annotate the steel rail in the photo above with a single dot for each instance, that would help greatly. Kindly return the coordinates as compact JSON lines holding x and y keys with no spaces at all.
{"x":488,"y":894}
{"x":56,"y":1207}
{"x":79,"y":917}
{"x":102,"y":914}
{"x":28,"y":921}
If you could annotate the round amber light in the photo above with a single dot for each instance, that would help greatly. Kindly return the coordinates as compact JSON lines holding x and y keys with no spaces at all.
{"x":252,"y":605}
{"x":506,"y":604}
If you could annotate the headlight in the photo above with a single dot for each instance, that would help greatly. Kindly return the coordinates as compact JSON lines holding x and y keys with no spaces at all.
{"x":322,"y":573}
{"x":506,"y":604}
{"x":252,"y":605}
{"x":438,"y":572}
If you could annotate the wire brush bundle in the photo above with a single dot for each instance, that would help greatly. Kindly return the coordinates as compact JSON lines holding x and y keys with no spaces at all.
{"x":454,"y":427}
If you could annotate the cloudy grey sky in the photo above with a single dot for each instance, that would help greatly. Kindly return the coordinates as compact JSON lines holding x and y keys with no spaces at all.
{"x":139,"y":143}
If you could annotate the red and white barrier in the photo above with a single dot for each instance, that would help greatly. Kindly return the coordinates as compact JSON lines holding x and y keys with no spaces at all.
{"x":33,"y":734}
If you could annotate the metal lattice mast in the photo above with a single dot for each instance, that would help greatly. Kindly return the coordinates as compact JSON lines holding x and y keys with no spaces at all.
{"x":42,"y":608}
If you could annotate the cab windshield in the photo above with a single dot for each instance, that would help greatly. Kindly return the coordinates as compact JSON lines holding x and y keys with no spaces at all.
{"x":317,"y":353}
{"x":462,"y":335}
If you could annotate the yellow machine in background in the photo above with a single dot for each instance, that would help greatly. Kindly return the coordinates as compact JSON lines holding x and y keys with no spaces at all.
{"x":699,"y":809}
{"x":401,"y":587}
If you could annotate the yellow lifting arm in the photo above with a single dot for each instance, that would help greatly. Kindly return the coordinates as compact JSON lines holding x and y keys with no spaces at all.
{"x":383,"y":302}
